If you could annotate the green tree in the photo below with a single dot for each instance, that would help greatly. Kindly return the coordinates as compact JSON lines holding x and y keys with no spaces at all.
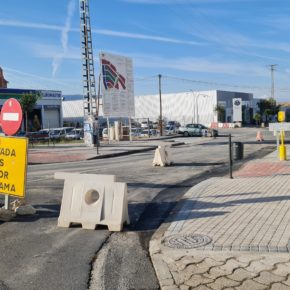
{"x":257,"y":118}
{"x":268,"y":107}
{"x":28,"y":102}
{"x":220,"y":112}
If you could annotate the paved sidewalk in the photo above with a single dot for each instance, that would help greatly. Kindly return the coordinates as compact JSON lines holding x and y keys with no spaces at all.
{"x":229,"y":233}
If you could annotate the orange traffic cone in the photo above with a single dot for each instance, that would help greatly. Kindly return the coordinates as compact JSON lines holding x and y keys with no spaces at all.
{"x":259,"y":136}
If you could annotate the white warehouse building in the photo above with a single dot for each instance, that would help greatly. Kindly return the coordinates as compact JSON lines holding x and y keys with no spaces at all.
{"x":195,"y":107}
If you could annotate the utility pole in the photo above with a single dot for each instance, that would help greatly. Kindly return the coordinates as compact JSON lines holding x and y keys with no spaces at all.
{"x":88,"y":73}
{"x":160,"y":107}
{"x":272,"y":67}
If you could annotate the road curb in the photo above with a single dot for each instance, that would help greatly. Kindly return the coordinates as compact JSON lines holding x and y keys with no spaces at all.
{"x":153,"y":147}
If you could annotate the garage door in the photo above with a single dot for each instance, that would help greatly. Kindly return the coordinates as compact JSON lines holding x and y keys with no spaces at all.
{"x":51,"y":118}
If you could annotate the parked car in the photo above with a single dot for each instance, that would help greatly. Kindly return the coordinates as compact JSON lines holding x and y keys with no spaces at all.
{"x":41,"y":135}
{"x":170,"y":129}
{"x":152,"y":132}
{"x":19,"y":134}
{"x":135,"y":132}
{"x":75,"y":134}
{"x":197,"y":130}
{"x":60,"y":133}
{"x":173,"y":123}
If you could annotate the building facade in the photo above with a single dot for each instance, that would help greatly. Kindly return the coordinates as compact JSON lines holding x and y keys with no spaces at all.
{"x":48,"y":109}
{"x":3,"y":82}
{"x":196,"y":107}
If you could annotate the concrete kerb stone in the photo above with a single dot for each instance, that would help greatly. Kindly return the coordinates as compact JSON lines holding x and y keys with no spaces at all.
{"x":109,"y":155}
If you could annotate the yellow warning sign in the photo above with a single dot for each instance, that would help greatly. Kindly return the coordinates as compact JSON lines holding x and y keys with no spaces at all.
{"x":281,"y":116}
{"x":13,"y":164}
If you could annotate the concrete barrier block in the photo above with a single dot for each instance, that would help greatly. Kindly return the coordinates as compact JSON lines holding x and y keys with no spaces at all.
{"x":93,"y":200}
{"x":162,"y":156}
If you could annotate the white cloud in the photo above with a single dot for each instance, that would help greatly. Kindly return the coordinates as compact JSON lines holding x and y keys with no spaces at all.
{"x":144,"y":36}
{"x":57,"y":60}
{"x":49,"y":51}
{"x":192,"y":64}
{"x":26,"y":80}
{"x":24,"y":24}
{"x":65,"y":30}
{"x":177,"y":2}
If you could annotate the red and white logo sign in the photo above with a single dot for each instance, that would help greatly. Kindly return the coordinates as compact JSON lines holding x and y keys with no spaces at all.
{"x":11,"y":117}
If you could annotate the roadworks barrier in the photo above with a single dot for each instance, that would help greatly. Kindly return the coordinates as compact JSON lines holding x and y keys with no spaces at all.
{"x":162,"y":156}
{"x":91,"y":200}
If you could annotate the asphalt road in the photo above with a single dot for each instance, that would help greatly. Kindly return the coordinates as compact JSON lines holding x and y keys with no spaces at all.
{"x":35,"y":254}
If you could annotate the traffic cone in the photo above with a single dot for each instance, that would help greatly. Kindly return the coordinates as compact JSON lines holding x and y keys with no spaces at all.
{"x":259,"y":136}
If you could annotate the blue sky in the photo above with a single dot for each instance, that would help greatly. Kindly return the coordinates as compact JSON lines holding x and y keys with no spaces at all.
{"x":194,"y":44}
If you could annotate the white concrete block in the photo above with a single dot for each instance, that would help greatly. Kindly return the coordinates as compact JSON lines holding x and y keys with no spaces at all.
{"x":91,"y":200}
{"x":162,"y":156}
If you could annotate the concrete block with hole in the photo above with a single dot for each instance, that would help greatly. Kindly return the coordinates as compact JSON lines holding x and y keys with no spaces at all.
{"x":162,"y":156}
{"x":91,"y":200}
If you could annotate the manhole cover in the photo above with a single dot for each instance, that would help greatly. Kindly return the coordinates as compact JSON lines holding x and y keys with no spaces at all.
{"x":190,"y":241}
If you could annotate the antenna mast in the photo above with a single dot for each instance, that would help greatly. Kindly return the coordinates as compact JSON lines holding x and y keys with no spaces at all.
{"x":88,"y":73}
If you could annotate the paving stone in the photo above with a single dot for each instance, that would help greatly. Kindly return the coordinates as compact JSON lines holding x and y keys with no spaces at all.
{"x":251,"y":285}
{"x":178,"y":277}
{"x":231,"y":265}
{"x":170,"y":288}
{"x":225,"y":269}
{"x":188,"y":260}
{"x":162,"y":270}
{"x":184,"y":287}
{"x":241,"y":274}
{"x":287,"y":282}
{"x":279,"y":286}
{"x":202,"y":287}
{"x":166,"y":282}
{"x":194,"y":269}
{"x":281,"y":270}
{"x":223,"y":282}
{"x":212,"y":262}
{"x":267,"y":278}
{"x":274,"y":259}
{"x":168,"y":259}
{"x":197,"y":280}
{"x":259,"y":266}
{"x":245,"y":260}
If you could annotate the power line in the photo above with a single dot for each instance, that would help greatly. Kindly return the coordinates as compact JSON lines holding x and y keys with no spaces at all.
{"x":213,"y":83}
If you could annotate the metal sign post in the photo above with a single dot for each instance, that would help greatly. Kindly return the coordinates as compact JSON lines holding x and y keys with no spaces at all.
{"x":230,"y":157}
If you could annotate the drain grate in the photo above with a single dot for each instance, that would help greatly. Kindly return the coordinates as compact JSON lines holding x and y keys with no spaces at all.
{"x":190,"y":241}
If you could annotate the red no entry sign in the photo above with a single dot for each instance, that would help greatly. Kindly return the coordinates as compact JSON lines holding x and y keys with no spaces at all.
{"x":11,"y":117}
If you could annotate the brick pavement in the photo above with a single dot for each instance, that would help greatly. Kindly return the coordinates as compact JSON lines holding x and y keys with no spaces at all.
{"x":244,"y":224}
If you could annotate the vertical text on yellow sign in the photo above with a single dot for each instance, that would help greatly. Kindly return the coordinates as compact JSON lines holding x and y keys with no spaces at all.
{"x":13,"y":164}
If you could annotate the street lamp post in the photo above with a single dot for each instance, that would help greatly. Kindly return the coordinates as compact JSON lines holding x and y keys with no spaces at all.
{"x":196,"y":110}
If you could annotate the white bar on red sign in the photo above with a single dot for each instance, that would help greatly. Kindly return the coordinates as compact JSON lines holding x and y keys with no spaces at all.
{"x":10,"y":116}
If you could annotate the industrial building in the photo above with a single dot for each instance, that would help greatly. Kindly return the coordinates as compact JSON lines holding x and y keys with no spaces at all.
{"x":187,"y":107}
{"x":196,"y":107}
{"x":47,"y":112}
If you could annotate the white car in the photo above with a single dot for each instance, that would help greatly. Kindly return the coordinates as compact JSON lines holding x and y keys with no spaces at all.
{"x":197,"y":130}
{"x":169,"y":130}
